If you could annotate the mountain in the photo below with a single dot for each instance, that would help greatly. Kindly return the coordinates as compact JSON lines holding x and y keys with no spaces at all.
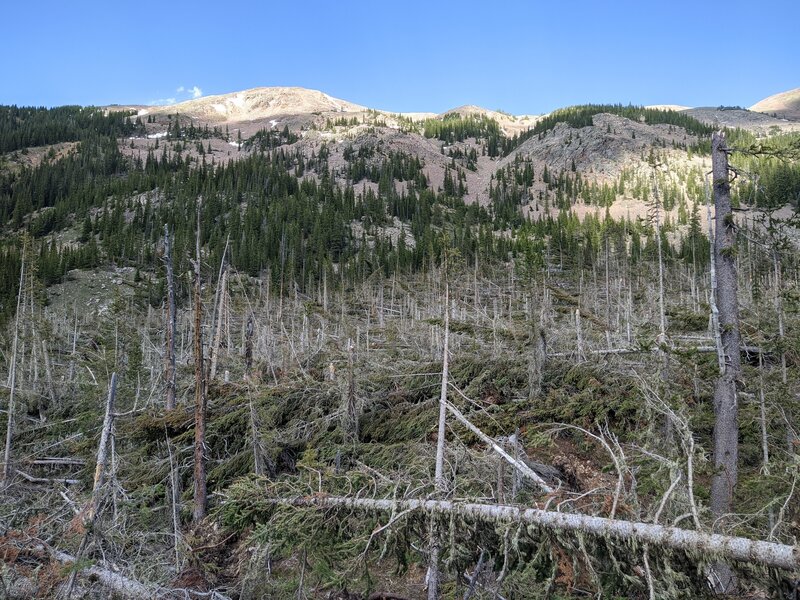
{"x":784,"y":104}
{"x":275,"y":284}
{"x":756,"y":122}
{"x":257,"y":103}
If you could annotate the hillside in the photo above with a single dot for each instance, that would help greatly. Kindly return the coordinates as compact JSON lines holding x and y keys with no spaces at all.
{"x":785,"y":105}
{"x":300,"y":306}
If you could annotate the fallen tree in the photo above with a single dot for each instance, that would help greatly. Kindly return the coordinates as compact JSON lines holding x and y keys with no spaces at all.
{"x":524,"y":469}
{"x":103,"y":575}
{"x":768,"y":554}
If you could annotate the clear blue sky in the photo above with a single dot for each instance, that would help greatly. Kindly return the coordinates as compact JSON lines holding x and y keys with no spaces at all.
{"x":523,"y":57}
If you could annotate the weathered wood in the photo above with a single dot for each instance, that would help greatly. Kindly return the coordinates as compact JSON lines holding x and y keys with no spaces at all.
{"x":726,"y":429}
{"x":434,"y":544}
{"x":122,"y":586}
{"x":216,"y":315}
{"x":170,"y":370}
{"x":351,"y":407}
{"x":13,"y":375}
{"x":47,"y":480}
{"x":76,"y":462}
{"x":768,"y":554}
{"x":248,"y":348}
{"x":517,"y":464}
{"x":200,"y":492}
{"x":726,"y":420}
{"x":102,"y":452}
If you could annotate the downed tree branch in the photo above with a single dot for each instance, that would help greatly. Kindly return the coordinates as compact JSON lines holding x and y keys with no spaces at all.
{"x":122,"y":586}
{"x":517,"y":464}
{"x":768,"y":554}
{"x":31,"y":479}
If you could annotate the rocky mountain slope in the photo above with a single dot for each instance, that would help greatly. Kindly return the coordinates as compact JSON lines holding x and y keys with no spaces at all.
{"x":329,"y":267}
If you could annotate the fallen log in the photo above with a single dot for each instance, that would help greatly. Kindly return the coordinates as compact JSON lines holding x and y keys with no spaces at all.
{"x":31,"y":479}
{"x":517,"y":464}
{"x":121,"y":585}
{"x":768,"y":554}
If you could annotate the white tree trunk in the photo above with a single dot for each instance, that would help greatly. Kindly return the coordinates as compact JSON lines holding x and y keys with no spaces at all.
{"x":517,"y":464}
{"x":439,"y":482}
{"x":13,"y":375}
{"x":169,"y":363}
{"x":768,"y":554}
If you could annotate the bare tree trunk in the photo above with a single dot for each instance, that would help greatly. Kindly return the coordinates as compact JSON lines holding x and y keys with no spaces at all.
{"x":51,"y":390}
{"x":439,"y":482}
{"x":712,"y":294}
{"x":520,"y":466}
{"x":579,"y":336}
{"x":248,"y":348}
{"x":216,"y":318}
{"x":770,"y":554}
{"x":791,"y":438}
{"x":170,"y":371}
{"x":13,"y":376}
{"x":200,"y":494}
{"x":538,"y":358}
{"x":71,"y":372}
{"x":122,"y":586}
{"x":102,"y":452}
{"x":175,"y":508}
{"x":662,"y":315}
{"x":89,"y":517}
{"x":726,"y":425}
{"x":351,"y":409}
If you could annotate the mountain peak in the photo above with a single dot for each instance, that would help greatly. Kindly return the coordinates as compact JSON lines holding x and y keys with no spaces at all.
{"x":258,"y":103}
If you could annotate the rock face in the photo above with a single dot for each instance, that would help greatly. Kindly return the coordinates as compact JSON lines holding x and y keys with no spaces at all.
{"x":785,"y":105}
{"x":610,"y":144}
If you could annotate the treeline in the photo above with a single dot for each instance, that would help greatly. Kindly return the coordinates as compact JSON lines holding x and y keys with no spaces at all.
{"x":397,"y":166}
{"x":27,"y":126}
{"x":457,"y":128}
{"x":288,"y":219}
{"x":771,"y":169}
{"x":582,"y":116}
{"x":69,"y":185}
{"x":269,"y":139}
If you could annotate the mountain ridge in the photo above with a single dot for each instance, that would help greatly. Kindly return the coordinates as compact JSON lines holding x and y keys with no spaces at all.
{"x":264,"y":101}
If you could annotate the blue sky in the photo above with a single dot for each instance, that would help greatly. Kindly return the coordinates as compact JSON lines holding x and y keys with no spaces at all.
{"x":522,"y":57}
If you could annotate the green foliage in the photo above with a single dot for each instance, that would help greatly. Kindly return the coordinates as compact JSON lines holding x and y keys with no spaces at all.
{"x":26,"y":126}
{"x":582,"y":116}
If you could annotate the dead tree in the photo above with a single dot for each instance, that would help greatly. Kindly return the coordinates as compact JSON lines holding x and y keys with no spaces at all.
{"x":200,"y":492}
{"x":351,"y":408}
{"x":434,"y":546}
{"x":538,"y":352}
{"x":170,"y":372}
{"x":13,"y":375}
{"x":518,"y":465}
{"x":726,"y":425}
{"x":217,"y":315}
{"x":91,"y":510}
{"x":745,"y":550}
{"x":248,"y":348}
{"x":102,"y":450}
